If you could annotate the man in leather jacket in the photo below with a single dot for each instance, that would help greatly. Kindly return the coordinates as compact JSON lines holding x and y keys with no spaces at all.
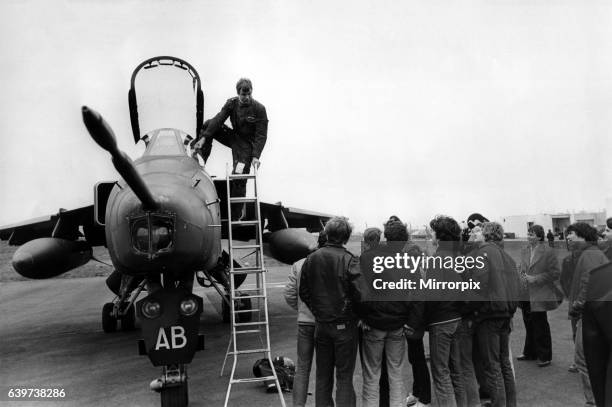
{"x":328,"y":286}
{"x":597,"y":333}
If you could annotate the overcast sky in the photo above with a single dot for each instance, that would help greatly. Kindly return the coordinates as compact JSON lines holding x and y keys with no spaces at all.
{"x":375,"y":107}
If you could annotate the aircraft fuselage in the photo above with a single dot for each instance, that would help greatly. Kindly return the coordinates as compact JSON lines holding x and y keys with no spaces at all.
{"x":182,"y":234}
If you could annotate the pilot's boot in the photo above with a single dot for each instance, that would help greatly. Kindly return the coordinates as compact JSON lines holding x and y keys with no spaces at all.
{"x":238,"y":189}
{"x":238,"y":211}
{"x":207,"y":143}
{"x":206,"y":148}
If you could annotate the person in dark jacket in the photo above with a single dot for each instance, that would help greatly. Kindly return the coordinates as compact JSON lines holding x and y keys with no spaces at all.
{"x":468,"y":348}
{"x":371,"y":240}
{"x":582,"y":239}
{"x":329,"y":288}
{"x":383,"y":323}
{"x":568,"y":267}
{"x":540,"y":269}
{"x":473,"y":220}
{"x":550,"y":237}
{"x":246,"y":138}
{"x":597,"y":333}
{"x":471,"y":239}
{"x":421,"y":383}
{"x":443,"y":316}
{"x":606,"y":244}
{"x":493,"y":316}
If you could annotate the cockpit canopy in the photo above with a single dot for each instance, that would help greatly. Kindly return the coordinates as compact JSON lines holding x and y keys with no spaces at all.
{"x":167,"y":142}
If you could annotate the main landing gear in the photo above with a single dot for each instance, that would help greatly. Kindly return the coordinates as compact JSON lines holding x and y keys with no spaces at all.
{"x":121,"y":309}
{"x":218,"y":278}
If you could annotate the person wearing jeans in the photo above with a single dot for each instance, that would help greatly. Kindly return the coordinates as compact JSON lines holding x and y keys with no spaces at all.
{"x":305,"y":336}
{"x":582,"y":240}
{"x":443,"y":317}
{"x":580,"y":362}
{"x":305,"y":352}
{"x":394,"y":345}
{"x":421,"y":386}
{"x":336,"y":348}
{"x":444,"y":353}
{"x":494,"y":314}
{"x":421,"y":378}
{"x":493,"y":337}
{"x":306,"y":330}
{"x":468,"y":389}
{"x":329,"y":288}
{"x":383,"y":321}
{"x":597,"y":333}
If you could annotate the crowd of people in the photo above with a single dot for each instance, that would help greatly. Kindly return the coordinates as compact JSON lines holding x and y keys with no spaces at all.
{"x":469,"y":353}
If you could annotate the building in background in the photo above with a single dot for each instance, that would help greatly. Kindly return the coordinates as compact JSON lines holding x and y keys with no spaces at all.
{"x":557,"y":222}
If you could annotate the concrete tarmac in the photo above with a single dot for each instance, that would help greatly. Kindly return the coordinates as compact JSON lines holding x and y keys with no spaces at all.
{"x":51,"y":337}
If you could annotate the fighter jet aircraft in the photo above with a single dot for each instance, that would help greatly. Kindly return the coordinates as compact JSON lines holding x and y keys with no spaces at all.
{"x":163,"y":224}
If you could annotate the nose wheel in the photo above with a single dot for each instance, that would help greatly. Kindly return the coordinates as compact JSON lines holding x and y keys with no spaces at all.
{"x":172,"y":386}
{"x":177,"y":396}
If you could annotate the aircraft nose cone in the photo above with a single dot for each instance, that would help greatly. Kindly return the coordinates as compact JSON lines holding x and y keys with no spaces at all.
{"x":23,"y":261}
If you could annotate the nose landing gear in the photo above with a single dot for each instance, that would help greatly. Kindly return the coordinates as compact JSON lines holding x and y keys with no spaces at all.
{"x":172,"y":386}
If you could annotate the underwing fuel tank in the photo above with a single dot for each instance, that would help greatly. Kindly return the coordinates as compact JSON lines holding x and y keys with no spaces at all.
{"x":50,"y":256}
{"x":290,"y":245}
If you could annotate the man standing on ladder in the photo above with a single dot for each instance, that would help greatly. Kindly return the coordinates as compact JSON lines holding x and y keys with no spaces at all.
{"x":246,"y":138}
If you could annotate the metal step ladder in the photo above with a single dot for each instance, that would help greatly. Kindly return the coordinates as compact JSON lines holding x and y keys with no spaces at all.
{"x":243,"y":333}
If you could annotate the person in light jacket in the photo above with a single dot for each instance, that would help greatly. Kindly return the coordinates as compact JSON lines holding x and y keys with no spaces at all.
{"x":539,"y":267}
{"x":306,"y":329}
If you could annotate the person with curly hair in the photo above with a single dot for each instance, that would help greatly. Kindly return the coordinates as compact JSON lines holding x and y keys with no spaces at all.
{"x":443,"y":317}
{"x":493,"y":315}
{"x":421,"y":384}
{"x":383,"y":323}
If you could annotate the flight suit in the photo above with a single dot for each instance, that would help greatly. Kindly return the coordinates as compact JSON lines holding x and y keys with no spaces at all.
{"x":246,"y":138}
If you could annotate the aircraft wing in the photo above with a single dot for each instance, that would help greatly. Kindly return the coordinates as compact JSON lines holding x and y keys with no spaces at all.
{"x":75,"y":223}
{"x":280,"y":217}
{"x":274,"y":216}
{"x":277,"y":217}
{"x":65,"y":224}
